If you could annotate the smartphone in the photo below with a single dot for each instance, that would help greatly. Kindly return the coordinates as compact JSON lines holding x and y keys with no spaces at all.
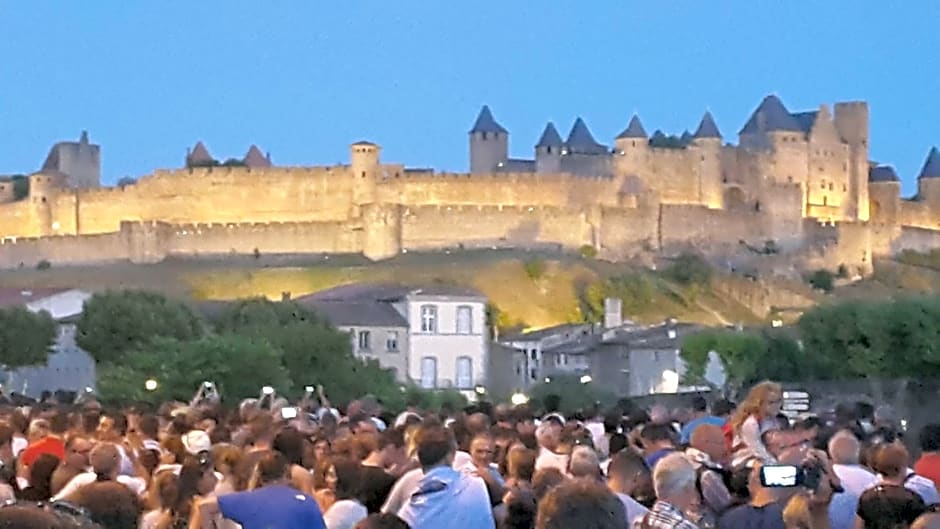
{"x":288,"y":413}
{"x":779,"y":476}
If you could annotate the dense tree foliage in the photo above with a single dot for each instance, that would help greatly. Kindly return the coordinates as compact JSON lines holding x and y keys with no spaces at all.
{"x":634,"y":289}
{"x":25,"y":337}
{"x":238,"y":366}
{"x":312,"y":350}
{"x":114,"y":323}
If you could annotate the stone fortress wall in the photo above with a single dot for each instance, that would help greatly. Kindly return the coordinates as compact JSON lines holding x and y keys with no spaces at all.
{"x":801,"y":180}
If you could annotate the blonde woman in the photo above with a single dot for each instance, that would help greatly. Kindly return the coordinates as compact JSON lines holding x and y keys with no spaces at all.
{"x":754,"y":417}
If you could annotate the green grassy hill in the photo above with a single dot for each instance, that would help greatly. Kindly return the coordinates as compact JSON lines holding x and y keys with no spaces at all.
{"x":555,"y":296}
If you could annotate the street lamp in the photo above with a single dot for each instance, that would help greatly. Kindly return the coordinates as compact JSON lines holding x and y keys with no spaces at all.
{"x":586,"y":379}
{"x":480,"y":390}
{"x":150,"y":385}
{"x":518,"y":399}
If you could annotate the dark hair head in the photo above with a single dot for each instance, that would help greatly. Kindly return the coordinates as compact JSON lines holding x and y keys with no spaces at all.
{"x":699,"y":404}
{"x":520,"y":509}
{"x":40,"y":473}
{"x":348,"y":478}
{"x":626,"y":464}
{"x":723,"y":407}
{"x":110,"y":504}
{"x":290,"y":442}
{"x":392,"y":437}
{"x":657,"y":432}
{"x":272,"y":466}
{"x":149,"y":425}
{"x":545,"y":480}
{"x":930,"y":438}
{"x":434,"y":443}
{"x":28,"y":517}
{"x":382,"y":521}
{"x":581,"y":503}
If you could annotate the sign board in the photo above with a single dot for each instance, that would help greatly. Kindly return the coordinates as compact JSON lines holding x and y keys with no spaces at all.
{"x":796,"y":403}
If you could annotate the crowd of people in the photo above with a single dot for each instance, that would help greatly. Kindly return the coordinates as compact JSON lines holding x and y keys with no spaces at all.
{"x":269,"y":465}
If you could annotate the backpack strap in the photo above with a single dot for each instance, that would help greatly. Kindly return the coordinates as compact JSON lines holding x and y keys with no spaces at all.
{"x":908,"y":478}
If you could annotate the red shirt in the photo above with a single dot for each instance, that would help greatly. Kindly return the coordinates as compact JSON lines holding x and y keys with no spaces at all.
{"x":929,"y":466}
{"x":46,"y":445}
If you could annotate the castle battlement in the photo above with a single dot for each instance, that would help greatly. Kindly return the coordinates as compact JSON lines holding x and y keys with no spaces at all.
{"x":801,"y":179}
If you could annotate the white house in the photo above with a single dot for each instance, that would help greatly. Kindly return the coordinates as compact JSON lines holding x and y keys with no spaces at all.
{"x":447,"y":342}
{"x":68,"y":368}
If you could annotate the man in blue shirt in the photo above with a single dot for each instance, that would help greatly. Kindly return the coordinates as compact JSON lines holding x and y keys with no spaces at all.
{"x":700,"y":411}
{"x":273,"y":505}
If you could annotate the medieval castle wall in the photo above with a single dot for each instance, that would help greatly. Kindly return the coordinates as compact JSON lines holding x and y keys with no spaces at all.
{"x":799,"y":185}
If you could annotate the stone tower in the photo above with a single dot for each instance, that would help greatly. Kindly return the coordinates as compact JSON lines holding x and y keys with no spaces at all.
{"x":631,"y":150}
{"x":489,"y":143}
{"x":707,"y":143}
{"x":928,"y":181}
{"x":365,"y":169}
{"x":79,"y":161}
{"x":851,"y":119}
{"x":548,"y":150}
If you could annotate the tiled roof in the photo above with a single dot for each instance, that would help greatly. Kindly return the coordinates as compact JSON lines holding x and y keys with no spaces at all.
{"x":771,"y":116}
{"x":358,"y":313}
{"x":199,"y":154}
{"x":254,"y":158}
{"x":486,"y":123}
{"x":14,"y":297}
{"x":931,"y":167}
{"x":550,"y":137}
{"x":534,"y":336}
{"x":806,"y":120}
{"x":707,"y":127}
{"x":634,"y":129}
{"x":883,"y":173}
{"x":580,"y":140}
{"x":364,"y":143}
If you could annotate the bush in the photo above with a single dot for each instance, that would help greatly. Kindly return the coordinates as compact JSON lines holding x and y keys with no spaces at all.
{"x":690,"y":269}
{"x":588,"y":252}
{"x":43,"y":265}
{"x":534,"y":268}
{"x":822,"y":279}
{"x":634,"y":289}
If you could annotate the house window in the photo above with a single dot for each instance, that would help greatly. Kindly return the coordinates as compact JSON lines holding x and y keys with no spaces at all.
{"x":365,"y":339}
{"x":428,"y":318}
{"x":391,"y":341}
{"x":428,"y":372}
{"x":464,"y":319}
{"x":830,"y":186}
{"x":464,"y":372}
{"x":533,"y":354}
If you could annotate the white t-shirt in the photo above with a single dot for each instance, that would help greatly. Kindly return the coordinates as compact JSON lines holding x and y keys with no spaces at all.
{"x":344,"y":514}
{"x":634,"y":509}
{"x":549,"y":459}
{"x":855,"y":478}
{"x":137,"y":485}
{"x":19,"y":444}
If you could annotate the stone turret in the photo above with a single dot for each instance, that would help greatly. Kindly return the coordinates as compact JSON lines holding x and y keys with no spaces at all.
{"x":548,"y":150}
{"x":631,"y":149}
{"x":365,"y":168}
{"x":884,"y":188}
{"x":706,"y":144}
{"x":928,"y":181}
{"x":79,"y":161}
{"x":489,"y":143}
{"x":851,"y":120}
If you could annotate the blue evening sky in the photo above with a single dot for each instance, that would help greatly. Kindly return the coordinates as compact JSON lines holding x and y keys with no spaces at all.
{"x":303,"y":79}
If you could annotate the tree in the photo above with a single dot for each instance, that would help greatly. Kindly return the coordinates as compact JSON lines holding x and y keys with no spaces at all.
{"x":634,"y":289}
{"x":572,"y":395}
{"x":822,"y":279}
{"x":588,"y":252}
{"x":312,"y":350}
{"x":534,"y":268}
{"x":115,"y":322}
{"x":126,"y":181}
{"x":26,"y":337}
{"x":239,"y":367}
{"x":690,"y":269}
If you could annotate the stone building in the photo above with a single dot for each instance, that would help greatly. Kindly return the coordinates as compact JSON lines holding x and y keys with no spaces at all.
{"x":800,"y":183}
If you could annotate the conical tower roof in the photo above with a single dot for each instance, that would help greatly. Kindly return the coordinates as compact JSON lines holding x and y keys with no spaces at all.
{"x":200,"y":154}
{"x":931,"y":167}
{"x":255,"y":158}
{"x":550,"y":137}
{"x":634,"y":129}
{"x":580,"y":139}
{"x":707,"y":128}
{"x":771,"y":116}
{"x":486,"y":123}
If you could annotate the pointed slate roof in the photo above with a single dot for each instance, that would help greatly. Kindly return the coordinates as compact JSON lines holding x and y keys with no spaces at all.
{"x":707,"y":127}
{"x":806,"y":120}
{"x":883,"y":173}
{"x":770,"y":116}
{"x":486,"y":123}
{"x":580,"y":139}
{"x":200,"y":154}
{"x":634,"y":129}
{"x":255,"y":158}
{"x":550,"y":137}
{"x":931,"y":167}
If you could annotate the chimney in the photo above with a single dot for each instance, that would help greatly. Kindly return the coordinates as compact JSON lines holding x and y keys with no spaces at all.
{"x":613,"y":308}
{"x":285,"y":296}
